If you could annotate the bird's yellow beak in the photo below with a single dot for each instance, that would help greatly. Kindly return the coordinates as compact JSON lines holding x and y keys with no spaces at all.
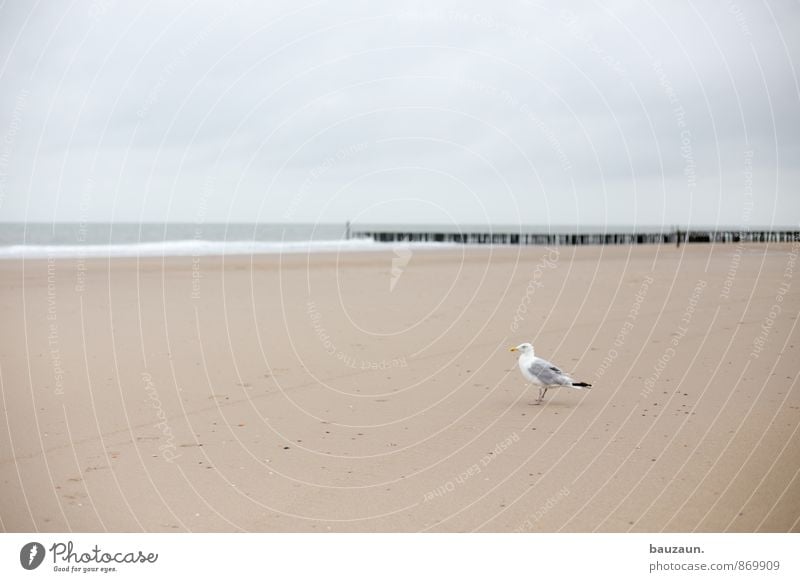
{"x":512,"y":349}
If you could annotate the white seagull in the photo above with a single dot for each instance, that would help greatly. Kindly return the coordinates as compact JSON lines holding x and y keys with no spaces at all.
{"x":543,"y":373}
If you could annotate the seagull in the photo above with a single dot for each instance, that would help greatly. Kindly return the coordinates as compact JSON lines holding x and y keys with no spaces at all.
{"x":543,"y":373}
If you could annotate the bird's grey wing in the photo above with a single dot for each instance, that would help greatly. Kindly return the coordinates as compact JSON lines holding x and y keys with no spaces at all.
{"x":548,"y":374}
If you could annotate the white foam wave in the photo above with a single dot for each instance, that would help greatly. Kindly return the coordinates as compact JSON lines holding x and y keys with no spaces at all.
{"x":196,"y":248}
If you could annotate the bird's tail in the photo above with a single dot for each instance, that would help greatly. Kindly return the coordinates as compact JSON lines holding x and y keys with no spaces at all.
{"x":581,"y":385}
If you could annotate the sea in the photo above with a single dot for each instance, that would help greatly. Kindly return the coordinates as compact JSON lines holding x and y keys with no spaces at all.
{"x":93,"y":239}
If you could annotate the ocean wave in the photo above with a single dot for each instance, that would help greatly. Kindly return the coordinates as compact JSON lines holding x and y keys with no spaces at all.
{"x":182,"y":248}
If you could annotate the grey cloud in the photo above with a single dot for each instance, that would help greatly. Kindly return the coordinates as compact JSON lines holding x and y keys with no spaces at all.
{"x":536,"y":113}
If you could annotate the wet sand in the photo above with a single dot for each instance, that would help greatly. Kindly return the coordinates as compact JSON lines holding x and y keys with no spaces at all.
{"x":375,"y":392}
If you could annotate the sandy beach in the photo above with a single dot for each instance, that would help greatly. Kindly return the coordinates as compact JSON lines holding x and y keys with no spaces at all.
{"x":375,"y":391}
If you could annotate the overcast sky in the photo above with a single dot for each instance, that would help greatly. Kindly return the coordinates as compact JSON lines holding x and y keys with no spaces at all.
{"x":609,"y":113}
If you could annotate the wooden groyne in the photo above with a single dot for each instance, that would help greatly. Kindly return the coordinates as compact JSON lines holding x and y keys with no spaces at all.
{"x":675,"y":237}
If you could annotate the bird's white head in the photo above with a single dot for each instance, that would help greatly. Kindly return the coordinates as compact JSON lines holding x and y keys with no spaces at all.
{"x":525,"y":348}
